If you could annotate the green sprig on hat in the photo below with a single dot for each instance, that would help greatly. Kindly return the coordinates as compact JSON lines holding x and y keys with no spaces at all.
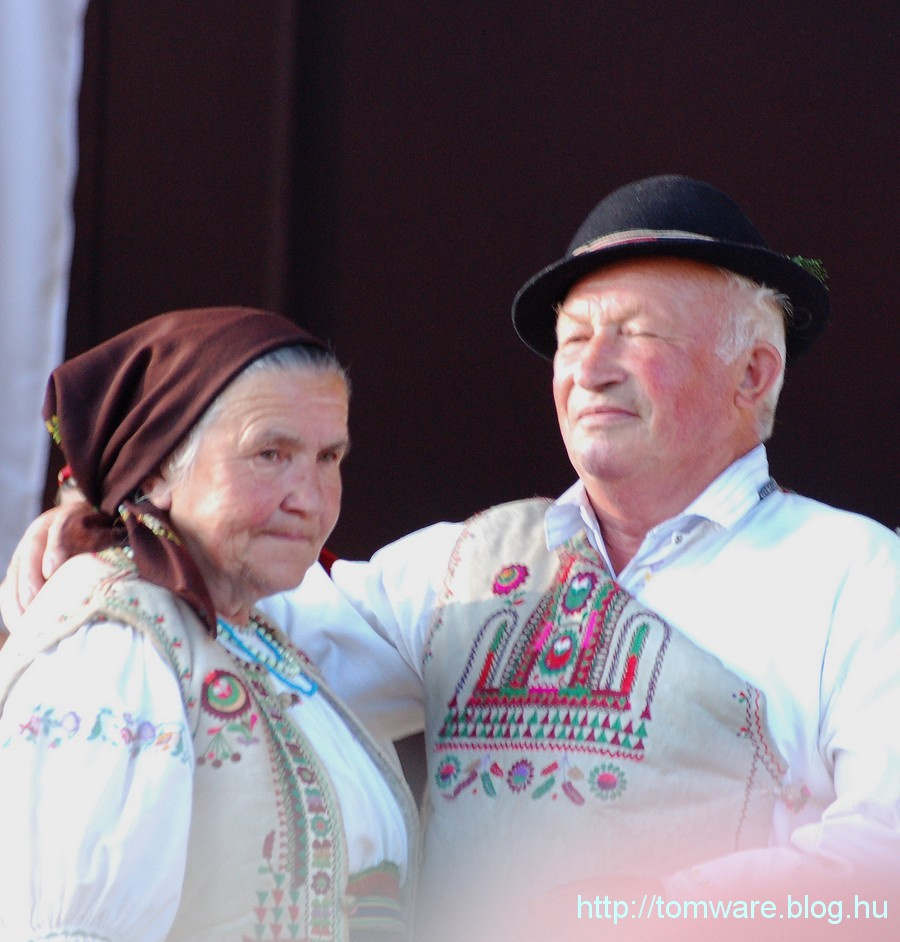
{"x":813,"y":265}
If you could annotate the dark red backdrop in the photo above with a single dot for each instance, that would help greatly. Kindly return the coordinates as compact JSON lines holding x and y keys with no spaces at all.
{"x":389,"y":174}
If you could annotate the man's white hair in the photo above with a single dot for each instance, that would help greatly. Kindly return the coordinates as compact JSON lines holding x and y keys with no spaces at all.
{"x":754,"y":312}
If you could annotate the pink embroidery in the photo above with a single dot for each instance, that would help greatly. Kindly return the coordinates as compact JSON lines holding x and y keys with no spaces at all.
{"x":565,"y":679}
{"x":509,"y":578}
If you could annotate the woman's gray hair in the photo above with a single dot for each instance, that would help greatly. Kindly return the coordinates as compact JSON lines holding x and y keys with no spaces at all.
{"x":305,"y":358}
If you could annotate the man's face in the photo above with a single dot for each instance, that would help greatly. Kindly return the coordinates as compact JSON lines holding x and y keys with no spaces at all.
{"x":640,"y":393}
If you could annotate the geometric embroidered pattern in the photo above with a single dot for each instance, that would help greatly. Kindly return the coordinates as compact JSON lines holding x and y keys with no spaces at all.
{"x":305,"y":851}
{"x":580,"y":675}
{"x":375,"y":912}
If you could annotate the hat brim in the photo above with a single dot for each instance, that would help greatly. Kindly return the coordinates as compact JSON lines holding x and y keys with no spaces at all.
{"x":534,"y":307}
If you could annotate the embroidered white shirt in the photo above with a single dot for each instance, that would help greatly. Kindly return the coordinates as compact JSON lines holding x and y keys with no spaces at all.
{"x":801,"y":599}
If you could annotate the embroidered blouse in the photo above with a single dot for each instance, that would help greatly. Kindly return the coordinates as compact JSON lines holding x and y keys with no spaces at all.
{"x":71,"y":729}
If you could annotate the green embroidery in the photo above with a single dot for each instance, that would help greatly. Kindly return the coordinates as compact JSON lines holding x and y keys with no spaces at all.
{"x":308,"y":851}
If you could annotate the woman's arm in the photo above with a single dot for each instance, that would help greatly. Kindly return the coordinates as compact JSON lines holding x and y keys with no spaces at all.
{"x":97,"y":766}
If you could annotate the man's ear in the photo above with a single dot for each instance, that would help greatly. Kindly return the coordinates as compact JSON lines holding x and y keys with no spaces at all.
{"x":762,"y":368}
{"x":158,"y":491}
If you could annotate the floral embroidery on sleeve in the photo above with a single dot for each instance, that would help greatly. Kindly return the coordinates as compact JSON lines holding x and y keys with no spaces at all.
{"x":57,"y":728}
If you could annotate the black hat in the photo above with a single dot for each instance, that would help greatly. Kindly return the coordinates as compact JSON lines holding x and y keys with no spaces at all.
{"x":677,"y":217}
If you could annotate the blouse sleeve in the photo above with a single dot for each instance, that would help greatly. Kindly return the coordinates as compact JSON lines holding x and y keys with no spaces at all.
{"x":96,"y":766}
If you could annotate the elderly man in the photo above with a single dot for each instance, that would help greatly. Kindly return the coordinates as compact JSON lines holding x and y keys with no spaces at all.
{"x":676,"y":676}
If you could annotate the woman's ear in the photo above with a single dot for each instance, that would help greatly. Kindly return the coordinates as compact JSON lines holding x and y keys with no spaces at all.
{"x":158,"y":491}
{"x":761,"y":372}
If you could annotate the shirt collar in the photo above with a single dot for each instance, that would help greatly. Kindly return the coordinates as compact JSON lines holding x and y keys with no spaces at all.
{"x":723,"y":503}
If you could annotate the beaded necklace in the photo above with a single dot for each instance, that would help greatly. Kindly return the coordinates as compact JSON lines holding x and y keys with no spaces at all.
{"x":274,"y":657}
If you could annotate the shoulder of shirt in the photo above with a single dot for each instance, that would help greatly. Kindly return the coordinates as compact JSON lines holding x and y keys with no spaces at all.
{"x":515,"y":508}
{"x":851,"y":528}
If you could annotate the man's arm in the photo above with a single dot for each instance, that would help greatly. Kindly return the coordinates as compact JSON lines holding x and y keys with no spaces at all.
{"x":856,"y":838}
{"x":366,"y":626}
{"x":39,"y":553}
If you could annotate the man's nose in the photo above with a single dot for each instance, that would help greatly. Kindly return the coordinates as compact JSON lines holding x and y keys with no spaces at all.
{"x":598,"y":363}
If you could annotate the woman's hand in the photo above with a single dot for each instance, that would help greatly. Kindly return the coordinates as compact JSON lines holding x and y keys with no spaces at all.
{"x":40,"y":552}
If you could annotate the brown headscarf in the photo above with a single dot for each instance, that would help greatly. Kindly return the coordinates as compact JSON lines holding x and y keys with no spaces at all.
{"x":119,"y":410}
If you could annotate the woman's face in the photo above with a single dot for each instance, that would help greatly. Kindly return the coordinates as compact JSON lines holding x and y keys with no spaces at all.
{"x":264,"y":491}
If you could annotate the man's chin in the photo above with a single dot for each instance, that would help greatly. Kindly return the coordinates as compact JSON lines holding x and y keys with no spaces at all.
{"x":603,"y":464}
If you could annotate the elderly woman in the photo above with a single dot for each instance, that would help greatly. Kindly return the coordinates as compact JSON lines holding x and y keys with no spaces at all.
{"x":172,"y":768}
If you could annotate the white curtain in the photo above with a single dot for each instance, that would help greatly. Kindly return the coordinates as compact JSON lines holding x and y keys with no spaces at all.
{"x":41,"y":45}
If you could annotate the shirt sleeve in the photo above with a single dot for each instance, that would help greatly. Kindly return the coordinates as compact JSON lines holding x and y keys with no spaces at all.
{"x":855,"y":841}
{"x":97,"y":765}
{"x":366,"y":626}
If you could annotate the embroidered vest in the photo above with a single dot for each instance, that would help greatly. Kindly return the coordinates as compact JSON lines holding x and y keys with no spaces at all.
{"x":572,"y":733}
{"x":267,"y":857}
